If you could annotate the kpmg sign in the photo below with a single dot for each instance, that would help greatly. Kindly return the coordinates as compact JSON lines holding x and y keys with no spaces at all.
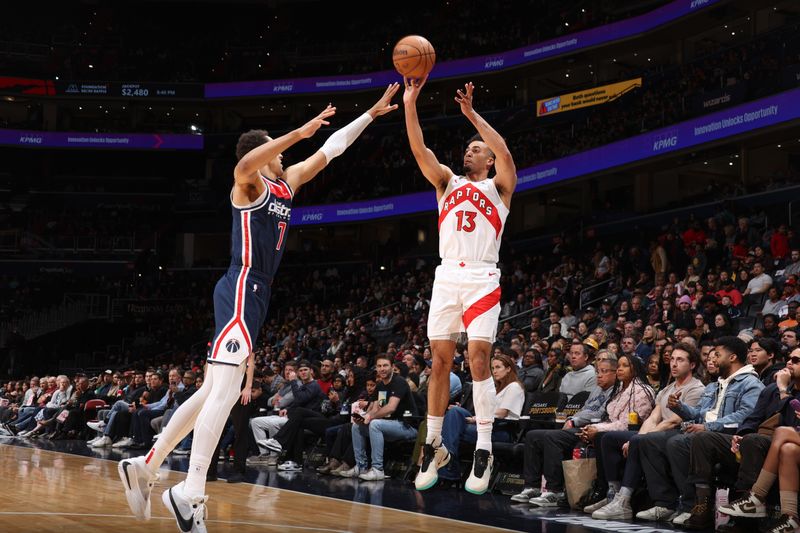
{"x":113,"y":141}
{"x":733,"y":121}
{"x":622,"y":29}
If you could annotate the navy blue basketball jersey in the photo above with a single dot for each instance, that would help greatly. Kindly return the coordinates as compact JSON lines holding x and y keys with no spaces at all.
{"x":258,"y":236}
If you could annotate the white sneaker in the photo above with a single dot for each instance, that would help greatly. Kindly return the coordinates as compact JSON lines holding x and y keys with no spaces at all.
{"x":92,"y":441}
{"x":181,"y":451}
{"x":589,"y":509}
{"x":271,"y":444}
{"x":434,"y":457}
{"x":353,"y":472}
{"x":190,"y":513}
{"x":257,"y":459}
{"x":102,"y":442}
{"x":123,"y":443}
{"x":481,"y":473}
{"x":681,"y":518}
{"x":289,"y":466}
{"x":526,"y":495}
{"x":97,"y":425}
{"x":746,"y":507}
{"x":547,"y":499}
{"x":373,"y":474}
{"x":618,"y":509}
{"x":138,"y":482}
{"x":656,"y":514}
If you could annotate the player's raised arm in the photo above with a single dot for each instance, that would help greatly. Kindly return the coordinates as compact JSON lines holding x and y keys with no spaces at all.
{"x":303,"y":172}
{"x":246,"y":171}
{"x":433,"y":171}
{"x":506,"y":178}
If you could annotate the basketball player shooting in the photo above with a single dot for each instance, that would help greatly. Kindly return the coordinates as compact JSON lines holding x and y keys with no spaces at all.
{"x":466,"y":288}
{"x":261,"y":202}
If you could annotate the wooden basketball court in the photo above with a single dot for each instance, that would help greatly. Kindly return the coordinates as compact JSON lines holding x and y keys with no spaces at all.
{"x":46,"y":491}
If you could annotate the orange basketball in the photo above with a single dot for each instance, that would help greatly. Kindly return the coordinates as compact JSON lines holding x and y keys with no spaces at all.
{"x":413,"y":56}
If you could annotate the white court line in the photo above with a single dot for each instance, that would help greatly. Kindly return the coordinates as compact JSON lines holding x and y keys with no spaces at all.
{"x":231,"y":522}
{"x":485,"y":526}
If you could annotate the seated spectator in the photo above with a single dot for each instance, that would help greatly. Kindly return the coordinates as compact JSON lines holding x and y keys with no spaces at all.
{"x":305,"y":393}
{"x":582,"y":376}
{"x":751,"y":440}
{"x":653,"y":377}
{"x":725,"y":403}
{"x":546,"y":448}
{"x":761,"y":354}
{"x":555,"y":372}
{"x":384,"y":421}
{"x":531,"y":374}
{"x":335,"y":411}
{"x":760,"y":282}
{"x":459,"y":423}
{"x":619,"y":447}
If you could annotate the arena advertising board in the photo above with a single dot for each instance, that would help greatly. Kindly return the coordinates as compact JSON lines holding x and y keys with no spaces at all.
{"x":109,"y":141}
{"x":532,"y":53}
{"x":732,"y":121}
{"x":585,"y":98}
{"x":129,"y":89}
{"x":12,"y":85}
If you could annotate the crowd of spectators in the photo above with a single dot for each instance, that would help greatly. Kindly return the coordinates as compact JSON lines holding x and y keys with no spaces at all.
{"x":254,"y":42}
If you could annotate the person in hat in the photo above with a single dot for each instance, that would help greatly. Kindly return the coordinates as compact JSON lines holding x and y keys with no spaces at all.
{"x":683,"y":317}
{"x":729,"y":289}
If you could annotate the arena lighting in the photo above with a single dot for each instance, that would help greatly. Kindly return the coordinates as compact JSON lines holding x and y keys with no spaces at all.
{"x":383,"y":267}
{"x":730,"y":163}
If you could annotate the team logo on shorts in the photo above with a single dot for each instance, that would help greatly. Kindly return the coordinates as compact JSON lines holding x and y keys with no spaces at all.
{"x":232,"y":346}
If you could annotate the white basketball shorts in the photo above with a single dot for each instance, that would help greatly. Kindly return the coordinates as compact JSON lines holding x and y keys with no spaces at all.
{"x":466,"y":297}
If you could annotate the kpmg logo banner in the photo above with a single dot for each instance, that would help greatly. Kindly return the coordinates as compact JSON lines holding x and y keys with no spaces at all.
{"x":615,"y":31}
{"x":113,"y":141}
{"x":743,"y":118}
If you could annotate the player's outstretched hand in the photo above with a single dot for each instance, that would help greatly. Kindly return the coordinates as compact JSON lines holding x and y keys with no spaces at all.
{"x":465,"y":99}
{"x":413,"y":87}
{"x":308,"y":129}
{"x":384,"y":105}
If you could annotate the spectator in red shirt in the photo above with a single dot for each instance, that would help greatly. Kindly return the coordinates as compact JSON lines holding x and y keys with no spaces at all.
{"x":729,"y":290}
{"x":694,"y":235}
{"x":779,"y":243}
{"x":325,"y":375}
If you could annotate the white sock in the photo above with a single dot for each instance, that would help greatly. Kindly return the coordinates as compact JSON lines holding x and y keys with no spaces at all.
{"x":625,"y":492}
{"x":434,"y":428}
{"x":195,"y":484}
{"x":484,"y":398}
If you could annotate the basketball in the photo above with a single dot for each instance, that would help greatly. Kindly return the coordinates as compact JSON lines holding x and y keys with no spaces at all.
{"x":413,"y":56}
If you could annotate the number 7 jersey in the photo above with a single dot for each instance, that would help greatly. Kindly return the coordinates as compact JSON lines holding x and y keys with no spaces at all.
{"x":472,"y":217}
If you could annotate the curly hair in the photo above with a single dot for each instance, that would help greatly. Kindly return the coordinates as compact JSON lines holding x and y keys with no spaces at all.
{"x":250,"y":140}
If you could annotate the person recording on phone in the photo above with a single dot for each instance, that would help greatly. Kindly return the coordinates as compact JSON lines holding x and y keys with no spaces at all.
{"x":722,"y":408}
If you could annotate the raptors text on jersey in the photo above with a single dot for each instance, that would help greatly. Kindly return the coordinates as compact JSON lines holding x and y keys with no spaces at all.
{"x":472,"y":216}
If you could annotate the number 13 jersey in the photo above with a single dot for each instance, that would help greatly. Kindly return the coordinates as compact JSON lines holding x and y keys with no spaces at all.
{"x":472,"y":217}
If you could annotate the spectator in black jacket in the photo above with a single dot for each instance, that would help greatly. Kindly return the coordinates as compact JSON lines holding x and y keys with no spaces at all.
{"x":532,"y":373}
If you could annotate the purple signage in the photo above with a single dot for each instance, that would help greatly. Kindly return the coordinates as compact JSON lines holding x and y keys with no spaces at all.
{"x":532,"y":53}
{"x":110,"y":141}
{"x":733,"y":121}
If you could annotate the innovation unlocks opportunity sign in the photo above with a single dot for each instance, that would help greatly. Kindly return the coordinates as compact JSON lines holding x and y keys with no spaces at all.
{"x":733,"y":121}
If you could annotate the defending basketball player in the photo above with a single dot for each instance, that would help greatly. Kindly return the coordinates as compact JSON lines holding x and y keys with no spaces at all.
{"x":261,"y":201}
{"x":466,"y":290}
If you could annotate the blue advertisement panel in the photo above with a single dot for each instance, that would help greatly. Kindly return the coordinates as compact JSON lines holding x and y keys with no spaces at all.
{"x":109,"y":141}
{"x":733,"y":121}
{"x":532,"y":53}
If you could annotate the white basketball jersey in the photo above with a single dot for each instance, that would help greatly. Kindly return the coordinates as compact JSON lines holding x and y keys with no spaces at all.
{"x":471,"y":220}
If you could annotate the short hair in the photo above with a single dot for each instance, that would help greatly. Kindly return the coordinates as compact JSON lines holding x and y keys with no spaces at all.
{"x":691,"y":351}
{"x":477,"y":137}
{"x":769,"y":345}
{"x":250,"y":140}
{"x":735,"y":345}
{"x":382,"y":356}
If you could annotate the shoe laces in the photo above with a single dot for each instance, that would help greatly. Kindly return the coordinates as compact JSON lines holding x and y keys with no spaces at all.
{"x":699,"y":509}
{"x":198,"y":508}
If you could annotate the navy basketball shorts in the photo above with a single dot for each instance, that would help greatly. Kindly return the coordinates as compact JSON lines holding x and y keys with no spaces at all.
{"x":241,"y":298}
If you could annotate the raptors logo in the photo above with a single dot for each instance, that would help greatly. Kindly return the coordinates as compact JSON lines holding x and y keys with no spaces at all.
{"x":232,"y":346}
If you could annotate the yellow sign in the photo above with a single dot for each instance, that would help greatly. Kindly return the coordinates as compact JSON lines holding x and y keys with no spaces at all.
{"x":589,"y":97}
